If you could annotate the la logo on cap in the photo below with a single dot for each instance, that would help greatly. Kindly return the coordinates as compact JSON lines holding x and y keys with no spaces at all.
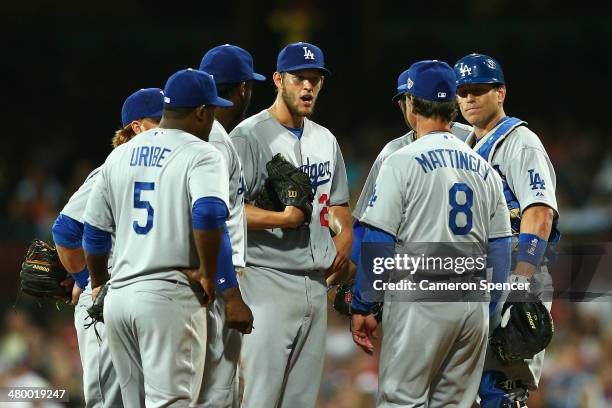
{"x":410,"y":83}
{"x":465,"y":69}
{"x":308,"y":54}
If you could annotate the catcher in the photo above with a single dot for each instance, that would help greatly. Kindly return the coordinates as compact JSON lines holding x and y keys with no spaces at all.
{"x":529,"y":181}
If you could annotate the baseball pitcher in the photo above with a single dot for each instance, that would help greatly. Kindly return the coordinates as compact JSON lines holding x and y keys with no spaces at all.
{"x":294,"y":174}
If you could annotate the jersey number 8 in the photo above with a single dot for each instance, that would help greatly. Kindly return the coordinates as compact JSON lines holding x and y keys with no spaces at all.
{"x":138,"y":203}
{"x":456,"y":208}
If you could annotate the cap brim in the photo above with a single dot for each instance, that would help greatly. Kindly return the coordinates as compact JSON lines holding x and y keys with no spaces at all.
{"x":481,"y":80}
{"x":308,"y":66}
{"x":224,"y":103}
{"x":258,"y":77}
{"x":398,"y":95}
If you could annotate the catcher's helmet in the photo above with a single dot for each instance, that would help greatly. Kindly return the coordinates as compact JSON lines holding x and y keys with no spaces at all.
{"x":478,"y":69}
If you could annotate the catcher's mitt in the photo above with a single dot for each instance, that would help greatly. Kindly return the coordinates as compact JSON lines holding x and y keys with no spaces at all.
{"x":525,"y":330}
{"x":344,"y":297}
{"x":42,"y":272}
{"x":292,"y":186}
{"x":96,"y":310}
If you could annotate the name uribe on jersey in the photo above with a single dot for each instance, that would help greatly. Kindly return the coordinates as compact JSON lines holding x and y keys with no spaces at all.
{"x":165,"y":196}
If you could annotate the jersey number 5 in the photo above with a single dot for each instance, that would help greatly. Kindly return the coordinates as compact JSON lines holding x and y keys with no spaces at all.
{"x":138,"y":203}
{"x":456,"y":208}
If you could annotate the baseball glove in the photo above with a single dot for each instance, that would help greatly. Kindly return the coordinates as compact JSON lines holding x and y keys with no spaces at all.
{"x":344,"y":297}
{"x":526,"y":329}
{"x":267,"y":198}
{"x":292,"y":186}
{"x":42,"y":272}
{"x":96,"y":310}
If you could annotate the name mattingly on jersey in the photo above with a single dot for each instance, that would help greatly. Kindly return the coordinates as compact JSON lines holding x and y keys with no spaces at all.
{"x":425,"y":285}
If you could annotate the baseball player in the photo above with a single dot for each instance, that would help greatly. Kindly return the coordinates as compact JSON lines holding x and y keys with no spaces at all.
{"x":165,"y":196}
{"x":458,"y":129}
{"x":434,"y":190}
{"x":528,"y":176}
{"x":232,"y":70}
{"x":288,"y":255}
{"x":141,"y":111}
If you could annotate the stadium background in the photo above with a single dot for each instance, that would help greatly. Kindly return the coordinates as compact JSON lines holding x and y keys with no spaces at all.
{"x":67,"y":67}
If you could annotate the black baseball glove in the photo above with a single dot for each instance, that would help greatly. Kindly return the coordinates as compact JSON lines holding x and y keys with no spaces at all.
{"x":526,"y":329}
{"x":292,"y":186}
{"x":42,"y":272}
{"x":344,"y":297}
{"x":268,"y":199}
{"x":96,"y":310}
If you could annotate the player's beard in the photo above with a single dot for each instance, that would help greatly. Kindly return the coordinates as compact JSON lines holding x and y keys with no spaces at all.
{"x":292,"y":102}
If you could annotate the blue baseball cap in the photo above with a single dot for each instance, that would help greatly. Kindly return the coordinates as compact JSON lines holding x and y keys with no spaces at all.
{"x":144,"y":103}
{"x":431,"y":80}
{"x":190,"y":88}
{"x":401,"y":80}
{"x":301,"y":55}
{"x":478,"y":69}
{"x":229,"y":64}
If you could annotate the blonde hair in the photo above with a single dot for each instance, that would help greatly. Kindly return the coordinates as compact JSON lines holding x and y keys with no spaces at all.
{"x":123,"y":135}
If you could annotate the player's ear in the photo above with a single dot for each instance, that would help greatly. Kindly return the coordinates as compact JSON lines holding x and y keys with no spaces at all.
{"x":501,"y":93}
{"x":136,"y":127}
{"x":202,"y":113}
{"x":278,"y":79}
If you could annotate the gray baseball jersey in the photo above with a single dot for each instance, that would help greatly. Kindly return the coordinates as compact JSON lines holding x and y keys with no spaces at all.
{"x":155,"y":325}
{"x":287,"y":265}
{"x":458,"y":129}
{"x":100,"y":384}
{"x":145,"y":192}
{"x":524,"y":165}
{"x":438,"y":190}
{"x":75,"y":207}
{"x":236,"y":222}
{"x":435,"y":189}
{"x":317,"y":154}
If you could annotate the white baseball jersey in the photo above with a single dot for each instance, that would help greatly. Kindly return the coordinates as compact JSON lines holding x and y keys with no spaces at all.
{"x":257,"y":139}
{"x":145,"y":192}
{"x":236,"y":222}
{"x":437,"y":189}
{"x":458,"y":129}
